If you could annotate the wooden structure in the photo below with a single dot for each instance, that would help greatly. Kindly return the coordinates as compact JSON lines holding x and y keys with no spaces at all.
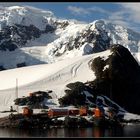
{"x":74,"y":112}
{"x":30,"y":94}
{"x":97,"y":112}
{"x":27,"y":112}
{"x":83,"y":111}
{"x":63,"y":112}
{"x":58,"y":112}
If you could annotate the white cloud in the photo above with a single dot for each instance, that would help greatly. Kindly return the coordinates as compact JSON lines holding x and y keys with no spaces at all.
{"x":86,"y":11}
{"x":120,"y":22}
{"x":133,"y":11}
{"x":98,"y":9}
{"x":78,"y":10}
{"x":116,"y":17}
{"x":128,"y":15}
{"x":131,"y":6}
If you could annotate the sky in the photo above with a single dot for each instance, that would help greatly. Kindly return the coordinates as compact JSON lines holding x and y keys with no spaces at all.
{"x":126,"y":14}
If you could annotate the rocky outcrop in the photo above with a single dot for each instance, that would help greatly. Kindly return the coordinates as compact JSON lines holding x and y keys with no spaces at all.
{"x":12,"y":37}
{"x":117,"y":78}
{"x":29,"y":28}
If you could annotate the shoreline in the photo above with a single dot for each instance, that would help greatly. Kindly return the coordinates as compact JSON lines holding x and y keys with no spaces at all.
{"x":42,"y":121}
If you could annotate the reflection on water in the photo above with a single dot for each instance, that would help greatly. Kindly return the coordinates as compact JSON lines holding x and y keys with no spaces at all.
{"x":126,"y":131}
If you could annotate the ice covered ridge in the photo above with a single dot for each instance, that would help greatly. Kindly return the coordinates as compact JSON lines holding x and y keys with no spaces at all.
{"x":69,"y":39}
{"x":24,"y":16}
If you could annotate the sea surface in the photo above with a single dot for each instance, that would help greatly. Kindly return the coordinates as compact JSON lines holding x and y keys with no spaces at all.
{"x":125,"y":131}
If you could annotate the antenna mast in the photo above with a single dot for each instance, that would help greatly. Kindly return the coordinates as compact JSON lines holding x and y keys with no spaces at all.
{"x":17,"y":93}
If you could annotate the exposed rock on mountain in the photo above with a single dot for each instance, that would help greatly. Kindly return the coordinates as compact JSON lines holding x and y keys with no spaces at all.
{"x":117,"y":77}
{"x":48,"y":39}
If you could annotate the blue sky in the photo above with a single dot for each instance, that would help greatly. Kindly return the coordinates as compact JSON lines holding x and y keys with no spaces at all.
{"x":70,"y":10}
{"x":126,"y":14}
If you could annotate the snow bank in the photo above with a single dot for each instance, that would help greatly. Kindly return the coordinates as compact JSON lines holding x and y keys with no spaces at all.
{"x":106,"y":67}
{"x":130,"y":116}
{"x":45,"y":77}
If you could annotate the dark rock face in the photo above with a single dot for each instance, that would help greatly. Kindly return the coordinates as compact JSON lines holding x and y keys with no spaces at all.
{"x":120,"y":82}
{"x":2,"y":68}
{"x":21,"y":65}
{"x":18,"y":34}
{"x":8,"y":45}
{"x":12,"y":37}
{"x":73,"y":95}
{"x":33,"y":101}
{"x":100,"y":40}
{"x":49,"y":28}
{"x":63,"y":24}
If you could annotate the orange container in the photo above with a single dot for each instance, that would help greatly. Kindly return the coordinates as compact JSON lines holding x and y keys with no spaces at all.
{"x":57,"y":112}
{"x":74,"y":112}
{"x":97,"y":112}
{"x":83,"y":111}
{"x":30,"y":94}
{"x":27,"y":111}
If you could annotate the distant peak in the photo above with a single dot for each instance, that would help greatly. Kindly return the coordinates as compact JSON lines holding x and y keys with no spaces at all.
{"x":25,"y":15}
{"x":14,"y":7}
{"x":28,"y":8}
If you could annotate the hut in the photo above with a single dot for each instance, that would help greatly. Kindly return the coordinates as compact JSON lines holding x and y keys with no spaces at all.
{"x":74,"y":111}
{"x":83,"y":111}
{"x":27,"y":111}
{"x":98,"y":112}
{"x":30,"y":94}
{"x":58,"y":112}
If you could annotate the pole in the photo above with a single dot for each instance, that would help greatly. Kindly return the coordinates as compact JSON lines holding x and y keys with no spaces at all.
{"x":17,"y":92}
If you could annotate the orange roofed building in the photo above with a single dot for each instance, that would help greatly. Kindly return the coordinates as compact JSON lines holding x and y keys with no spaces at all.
{"x":63,"y":112}
{"x":83,"y":111}
{"x":27,"y":112}
{"x":57,"y":112}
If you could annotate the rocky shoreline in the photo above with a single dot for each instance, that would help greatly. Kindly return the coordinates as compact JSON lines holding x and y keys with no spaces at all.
{"x":42,"y":121}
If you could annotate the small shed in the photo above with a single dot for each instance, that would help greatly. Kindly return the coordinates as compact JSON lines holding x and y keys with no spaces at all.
{"x":27,"y":111}
{"x":83,"y":111}
{"x":74,"y":111}
{"x":57,"y":112}
{"x":97,"y":112}
{"x":30,"y":94}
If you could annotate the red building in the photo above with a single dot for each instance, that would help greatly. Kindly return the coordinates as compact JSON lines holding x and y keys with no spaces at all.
{"x":27,"y":112}
{"x":63,"y":112}
{"x":58,"y":112}
{"x":74,"y":112}
{"x":83,"y":111}
{"x":97,"y":112}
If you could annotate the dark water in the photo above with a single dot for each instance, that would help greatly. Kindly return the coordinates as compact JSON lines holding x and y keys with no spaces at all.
{"x":126,"y":131}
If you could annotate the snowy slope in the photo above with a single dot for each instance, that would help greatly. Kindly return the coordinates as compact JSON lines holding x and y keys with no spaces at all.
{"x":69,"y":38}
{"x":53,"y":77}
{"x":83,"y":39}
{"x":46,"y":77}
{"x":63,"y":54}
{"x":24,"y":16}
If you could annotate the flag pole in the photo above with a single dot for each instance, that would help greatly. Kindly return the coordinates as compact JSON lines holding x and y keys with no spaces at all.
{"x":17,"y":93}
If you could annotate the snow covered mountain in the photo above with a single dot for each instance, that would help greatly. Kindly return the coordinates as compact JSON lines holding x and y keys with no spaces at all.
{"x":30,"y":36}
{"x":62,"y":52}
{"x":60,"y":77}
{"x":47,"y":77}
{"x":25,"y":16}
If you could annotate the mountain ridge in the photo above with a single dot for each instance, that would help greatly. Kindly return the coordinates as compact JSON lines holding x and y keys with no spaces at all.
{"x":48,"y":39}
